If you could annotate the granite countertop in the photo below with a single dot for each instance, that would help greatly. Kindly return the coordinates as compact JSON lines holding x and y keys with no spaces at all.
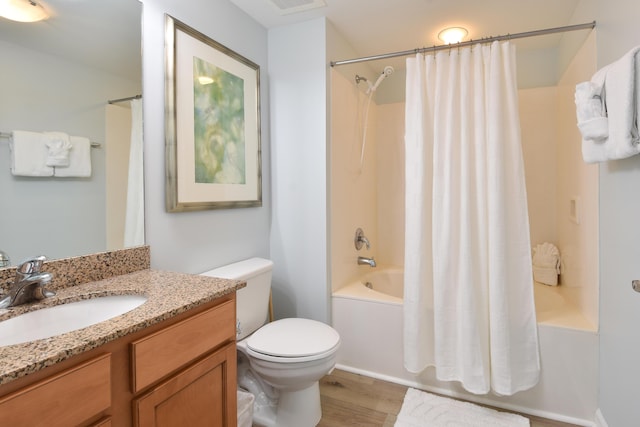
{"x":168,"y":294}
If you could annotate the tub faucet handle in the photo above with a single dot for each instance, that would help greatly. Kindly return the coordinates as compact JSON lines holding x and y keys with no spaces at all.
{"x":360,"y":240}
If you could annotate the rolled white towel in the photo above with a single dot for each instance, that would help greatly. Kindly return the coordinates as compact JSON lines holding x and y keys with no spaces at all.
{"x":58,"y":146}
{"x":546,"y":264}
{"x":591,"y":112}
{"x":592,"y":120}
{"x":546,"y":255}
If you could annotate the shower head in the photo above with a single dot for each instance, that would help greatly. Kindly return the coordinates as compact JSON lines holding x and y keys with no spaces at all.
{"x":388,"y":70}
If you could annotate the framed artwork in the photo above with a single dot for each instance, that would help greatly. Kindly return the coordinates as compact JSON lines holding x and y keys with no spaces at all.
{"x":212,"y":119}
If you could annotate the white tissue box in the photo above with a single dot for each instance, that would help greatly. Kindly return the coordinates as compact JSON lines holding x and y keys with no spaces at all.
{"x":545,"y":275}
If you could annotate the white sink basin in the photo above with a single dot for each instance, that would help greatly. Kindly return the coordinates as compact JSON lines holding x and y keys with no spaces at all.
{"x":59,"y":319}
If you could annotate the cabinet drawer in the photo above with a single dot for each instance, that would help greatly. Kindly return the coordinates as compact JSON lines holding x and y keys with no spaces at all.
{"x":68,"y":398}
{"x":165,"y":351}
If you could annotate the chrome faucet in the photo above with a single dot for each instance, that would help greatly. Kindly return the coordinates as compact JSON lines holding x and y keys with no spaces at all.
{"x":29,"y":284}
{"x":4,"y":260}
{"x":366,"y":261}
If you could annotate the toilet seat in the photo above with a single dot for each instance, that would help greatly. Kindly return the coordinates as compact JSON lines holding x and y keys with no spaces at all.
{"x":293,"y":340}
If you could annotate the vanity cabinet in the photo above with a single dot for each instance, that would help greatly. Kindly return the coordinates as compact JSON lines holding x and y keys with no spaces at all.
{"x":179,"y":372}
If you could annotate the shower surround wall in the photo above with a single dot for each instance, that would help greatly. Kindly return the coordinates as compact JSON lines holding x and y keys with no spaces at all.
{"x":353,"y":189}
{"x":557,"y":178}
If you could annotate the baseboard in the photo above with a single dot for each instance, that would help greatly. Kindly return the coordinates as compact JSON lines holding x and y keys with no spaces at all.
{"x":600,"y":421}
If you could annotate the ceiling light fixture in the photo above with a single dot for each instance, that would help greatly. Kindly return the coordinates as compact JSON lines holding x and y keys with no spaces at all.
{"x":453,"y":35}
{"x":22,"y":10}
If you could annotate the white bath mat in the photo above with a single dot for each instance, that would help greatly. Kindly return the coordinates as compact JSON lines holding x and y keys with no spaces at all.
{"x":422,"y":409}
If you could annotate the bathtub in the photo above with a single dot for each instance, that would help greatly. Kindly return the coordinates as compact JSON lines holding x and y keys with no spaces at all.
{"x":368,"y":315}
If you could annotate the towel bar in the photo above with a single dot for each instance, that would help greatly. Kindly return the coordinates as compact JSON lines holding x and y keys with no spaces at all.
{"x":7,"y":135}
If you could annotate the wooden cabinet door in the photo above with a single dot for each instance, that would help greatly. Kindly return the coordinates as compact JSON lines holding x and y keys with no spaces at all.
{"x":203,"y":394}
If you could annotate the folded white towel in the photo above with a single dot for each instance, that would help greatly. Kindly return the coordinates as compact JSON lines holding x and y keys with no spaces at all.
{"x":546,"y":263}
{"x":58,"y":145}
{"x":546,"y":255}
{"x":621,"y":100}
{"x":28,"y":154}
{"x":79,"y":159}
{"x":608,"y":110}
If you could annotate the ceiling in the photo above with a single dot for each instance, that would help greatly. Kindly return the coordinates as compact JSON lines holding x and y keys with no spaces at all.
{"x":97,"y":33}
{"x":374,"y":27}
{"x":371,"y":27}
{"x":381,"y":26}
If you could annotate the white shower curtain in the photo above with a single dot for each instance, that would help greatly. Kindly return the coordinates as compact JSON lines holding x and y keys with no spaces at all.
{"x":134,"y":216}
{"x":468,"y":309}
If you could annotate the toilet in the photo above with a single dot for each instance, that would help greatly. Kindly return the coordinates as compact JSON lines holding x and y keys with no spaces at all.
{"x":279,"y":362}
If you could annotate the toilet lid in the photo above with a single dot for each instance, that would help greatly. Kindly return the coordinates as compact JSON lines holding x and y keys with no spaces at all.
{"x":293,"y":338}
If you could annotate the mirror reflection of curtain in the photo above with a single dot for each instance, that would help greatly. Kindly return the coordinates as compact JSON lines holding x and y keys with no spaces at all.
{"x":116,"y":153}
{"x":134,"y":218}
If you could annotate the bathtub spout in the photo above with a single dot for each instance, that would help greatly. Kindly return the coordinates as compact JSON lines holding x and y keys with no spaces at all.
{"x":366,"y":261}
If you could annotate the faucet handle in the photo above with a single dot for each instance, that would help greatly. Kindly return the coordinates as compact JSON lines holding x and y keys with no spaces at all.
{"x":31,"y":265}
{"x":360,"y":239}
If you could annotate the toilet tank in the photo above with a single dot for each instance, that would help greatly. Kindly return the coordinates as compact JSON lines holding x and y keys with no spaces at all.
{"x":252,"y":301}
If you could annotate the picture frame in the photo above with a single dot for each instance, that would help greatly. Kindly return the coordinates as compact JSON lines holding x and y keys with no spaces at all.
{"x":212,"y":124}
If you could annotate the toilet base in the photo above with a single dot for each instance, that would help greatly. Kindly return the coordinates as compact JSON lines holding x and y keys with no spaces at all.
{"x":295,"y":409}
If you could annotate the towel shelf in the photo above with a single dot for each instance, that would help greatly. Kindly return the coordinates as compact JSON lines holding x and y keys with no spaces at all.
{"x":7,"y":135}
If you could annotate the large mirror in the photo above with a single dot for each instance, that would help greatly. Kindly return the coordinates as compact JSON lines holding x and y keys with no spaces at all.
{"x":58,"y":75}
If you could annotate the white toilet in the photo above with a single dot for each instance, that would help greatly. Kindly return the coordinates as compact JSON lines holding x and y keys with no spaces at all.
{"x":281,"y":362}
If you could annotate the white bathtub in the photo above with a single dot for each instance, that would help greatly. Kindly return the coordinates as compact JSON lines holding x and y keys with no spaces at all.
{"x":369,"y":320}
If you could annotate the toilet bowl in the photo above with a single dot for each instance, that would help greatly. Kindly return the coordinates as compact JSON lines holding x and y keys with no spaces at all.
{"x":280,"y":362}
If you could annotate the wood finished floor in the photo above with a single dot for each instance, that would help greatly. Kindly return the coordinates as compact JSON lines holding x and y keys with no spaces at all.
{"x":356,"y":400}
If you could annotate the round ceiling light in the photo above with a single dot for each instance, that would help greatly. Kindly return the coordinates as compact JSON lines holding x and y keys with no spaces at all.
{"x":453,"y":35}
{"x":22,"y":10}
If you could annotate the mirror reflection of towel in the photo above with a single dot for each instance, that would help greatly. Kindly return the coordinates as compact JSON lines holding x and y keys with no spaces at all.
{"x":59,"y":146}
{"x":28,"y":154}
{"x":79,"y":159}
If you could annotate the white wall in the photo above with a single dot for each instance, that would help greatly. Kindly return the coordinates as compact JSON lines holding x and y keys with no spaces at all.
{"x":619,"y":236}
{"x":196,"y":241}
{"x":299,"y":229}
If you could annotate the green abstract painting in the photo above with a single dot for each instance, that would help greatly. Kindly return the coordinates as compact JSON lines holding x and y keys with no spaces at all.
{"x":219,"y":124}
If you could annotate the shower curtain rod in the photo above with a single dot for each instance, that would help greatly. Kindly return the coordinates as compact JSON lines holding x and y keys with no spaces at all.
{"x":585,"y":26}
{"x":129,"y":98}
